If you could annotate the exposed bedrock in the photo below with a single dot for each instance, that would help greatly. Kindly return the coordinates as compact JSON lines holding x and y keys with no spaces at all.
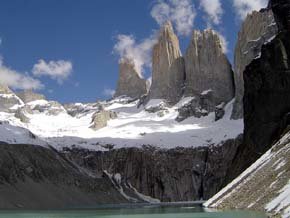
{"x":168,"y":67}
{"x":181,"y":174}
{"x":34,"y":177}
{"x":28,"y":96}
{"x":207,"y":68}
{"x":258,"y":28}
{"x":130,"y":82}
{"x":8,"y":99}
{"x":267,"y":92}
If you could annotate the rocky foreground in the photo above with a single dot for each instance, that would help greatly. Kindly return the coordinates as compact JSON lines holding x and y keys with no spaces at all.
{"x":40,"y":178}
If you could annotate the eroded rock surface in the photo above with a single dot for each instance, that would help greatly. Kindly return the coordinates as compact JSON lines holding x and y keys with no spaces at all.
{"x":130,"y":82}
{"x":267,"y":92}
{"x":8,"y":99}
{"x":101,"y":118}
{"x":168,"y":67}
{"x":258,"y":28}
{"x":34,"y":177}
{"x":28,"y":96}
{"x":207,"y":68}
{"x":181,"y":174}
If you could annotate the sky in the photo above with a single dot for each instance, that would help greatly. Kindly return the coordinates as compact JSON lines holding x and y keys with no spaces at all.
{"x":69,"y":50}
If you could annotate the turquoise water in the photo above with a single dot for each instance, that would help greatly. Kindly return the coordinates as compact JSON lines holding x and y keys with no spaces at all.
{"x":145,"y":212}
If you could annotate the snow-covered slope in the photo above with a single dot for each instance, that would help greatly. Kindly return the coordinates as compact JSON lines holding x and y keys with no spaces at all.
{"x":263,"y":186}
{"x":134,"y":127}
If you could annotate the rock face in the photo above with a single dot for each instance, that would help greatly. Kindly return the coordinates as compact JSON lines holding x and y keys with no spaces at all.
{"x":101,"y":118}
{"x":181,"y":174}
{"x":267,"y":92}
{"x":263,"y":187}
{"x":28,"y":173}
{"x":8,"y":99}
{"x":168,"y":67}
{"x":200,"y":105}
{"x":130,"y":82}
{"x":28,"y":96}
{"x":281,"y":10}
{"x":49,"y":107}
{"x":207,"y":68}
{"x":5,"y":90}
{"x":257,"y":29}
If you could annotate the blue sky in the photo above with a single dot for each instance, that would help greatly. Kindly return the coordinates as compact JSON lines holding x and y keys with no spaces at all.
{"x":66,"y":47}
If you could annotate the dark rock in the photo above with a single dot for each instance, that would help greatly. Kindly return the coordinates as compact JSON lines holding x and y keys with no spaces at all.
{"x":219,"y":111}
{"x":267,"y":92}
{"x":256,"y":30}
{"x":281,"y":9}
{"x":200,"y":105}
{"x":40,"y":178}
{"x":181,"y":174}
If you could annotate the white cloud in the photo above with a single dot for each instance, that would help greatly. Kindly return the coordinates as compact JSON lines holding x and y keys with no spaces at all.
{"x":180,"y":12}
{"x":243,"y":7}
{"x":213,"y":8}
{"x":58,"y":70}
{"x":224,"y":42}
{"x":108,"y":92}
{"x":16,"y":80}
{"x":139,"y":52}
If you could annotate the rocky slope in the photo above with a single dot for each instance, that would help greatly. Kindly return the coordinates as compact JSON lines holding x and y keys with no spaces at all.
{"x":130,"y":82}
{"x":28,"y":96}
{"x":180,"y":174}
{"x":264,"y":186}
{"x":167,"y":67}
{"x":207,"y":68}
{"x":257,"y":29}
{"x":8,"y":99}
{"x":173,"y":148}
{"x":118,"y":148}
{"x":34,"y":177}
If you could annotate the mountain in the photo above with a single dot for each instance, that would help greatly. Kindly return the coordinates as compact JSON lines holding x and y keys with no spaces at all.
{"x":257,"y":29}
{"x":265,"y":184}
{"x":173,"y":141}
{"x":130,"y":82}
{"x":167,"y":67}
{"x":207,"y":68}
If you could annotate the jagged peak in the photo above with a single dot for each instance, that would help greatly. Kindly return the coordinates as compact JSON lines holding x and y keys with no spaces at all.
{"x":167,"y":31}
{"x":201,"y":35}
{"x":5,"y":89}
{"x":130,"y":63}
{"x":29,"y":95}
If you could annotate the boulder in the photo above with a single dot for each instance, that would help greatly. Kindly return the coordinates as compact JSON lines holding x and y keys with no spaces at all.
{"x":167,"y":67}
{"x":207,"y":67}
{"x":21,"y":113}
{"x":101,"y":118}
{"x":201,"y":105}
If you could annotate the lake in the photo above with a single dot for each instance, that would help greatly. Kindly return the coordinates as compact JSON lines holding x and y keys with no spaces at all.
{"x":143,"y":212}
